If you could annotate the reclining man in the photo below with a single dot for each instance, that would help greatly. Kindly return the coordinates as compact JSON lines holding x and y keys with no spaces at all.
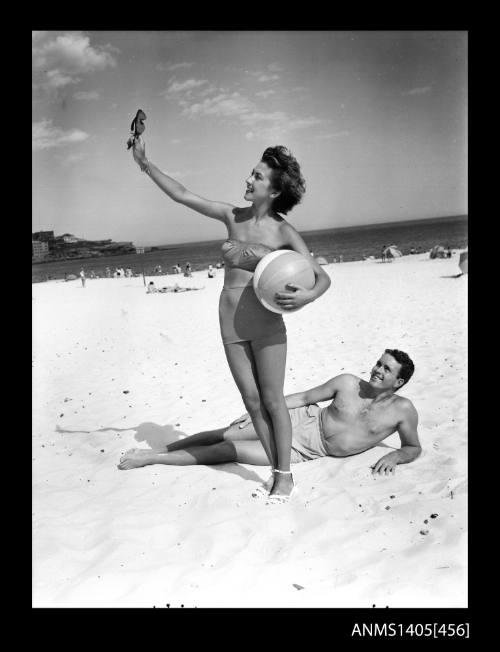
{"x":361,"y":414}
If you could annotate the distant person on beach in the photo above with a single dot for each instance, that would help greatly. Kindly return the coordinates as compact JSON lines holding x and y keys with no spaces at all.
{"x":178,"y":288}
{"x":382,"y":253}
{"x":169,"y":288}
{"x":211,"y":272}
{"x":361,"y":415}
{"x":254,"y":338}
{"x":82,"y":277}
{"x":188,"y":271}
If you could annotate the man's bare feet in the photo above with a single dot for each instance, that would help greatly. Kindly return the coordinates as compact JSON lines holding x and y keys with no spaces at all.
{"x":134,"y":458}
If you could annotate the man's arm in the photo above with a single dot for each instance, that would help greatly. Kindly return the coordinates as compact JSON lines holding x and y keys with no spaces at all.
{"x":323,"y":392}
{"x":410,"y":444}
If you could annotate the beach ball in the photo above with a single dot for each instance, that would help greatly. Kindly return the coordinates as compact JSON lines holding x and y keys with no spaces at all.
{"x":275,"y":271}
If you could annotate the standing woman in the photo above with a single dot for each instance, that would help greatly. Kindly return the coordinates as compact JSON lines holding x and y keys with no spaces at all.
{"x":254,"y":338}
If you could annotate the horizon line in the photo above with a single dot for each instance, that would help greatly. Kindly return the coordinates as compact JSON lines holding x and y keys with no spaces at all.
{"x":332,"y":228}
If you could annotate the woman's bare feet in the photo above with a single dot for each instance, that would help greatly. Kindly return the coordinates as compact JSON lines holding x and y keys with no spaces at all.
{"x":282,"y":488}
{"x":264,"y":489}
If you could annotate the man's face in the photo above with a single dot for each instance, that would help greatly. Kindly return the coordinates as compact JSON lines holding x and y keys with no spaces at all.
{"x":385,"y":373}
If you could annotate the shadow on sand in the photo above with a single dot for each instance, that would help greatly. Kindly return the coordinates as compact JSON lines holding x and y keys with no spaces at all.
{"x":158,"y":437}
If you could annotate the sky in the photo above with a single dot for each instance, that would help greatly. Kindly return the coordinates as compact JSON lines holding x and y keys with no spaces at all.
{"x":377,"y":121}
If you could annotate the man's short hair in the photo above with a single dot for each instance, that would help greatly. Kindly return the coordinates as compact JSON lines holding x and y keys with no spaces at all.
{"x":407,"y":366}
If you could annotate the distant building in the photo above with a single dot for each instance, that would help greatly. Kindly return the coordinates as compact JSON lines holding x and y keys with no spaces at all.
{"x":43,"y":236}
{"x":68,"y":237}
{"x":139,"y":250}
{"x":39,"y":249}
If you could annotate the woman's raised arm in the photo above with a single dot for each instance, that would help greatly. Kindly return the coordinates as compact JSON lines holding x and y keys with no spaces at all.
{"x":176,"y":191}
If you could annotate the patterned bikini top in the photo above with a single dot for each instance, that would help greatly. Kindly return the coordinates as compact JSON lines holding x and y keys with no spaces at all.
{"x":244,"y":255}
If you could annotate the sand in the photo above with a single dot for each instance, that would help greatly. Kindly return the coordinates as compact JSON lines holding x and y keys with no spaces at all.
{"x":115,"y":368}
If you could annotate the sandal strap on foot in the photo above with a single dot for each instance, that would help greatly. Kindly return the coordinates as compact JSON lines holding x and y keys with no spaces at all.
{"x":284,"y":472}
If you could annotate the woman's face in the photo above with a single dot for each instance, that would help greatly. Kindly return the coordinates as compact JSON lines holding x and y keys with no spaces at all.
{"x":259,"y":186}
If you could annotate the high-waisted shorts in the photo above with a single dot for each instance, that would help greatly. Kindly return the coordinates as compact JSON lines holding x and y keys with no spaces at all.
{"x":307,"y":435}
{"x":243,"y":318}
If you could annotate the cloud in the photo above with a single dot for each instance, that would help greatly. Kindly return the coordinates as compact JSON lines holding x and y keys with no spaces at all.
{"x":45,"y":136}
{"x":330,"y":136}
{"x":266,"y":78}
{"x":72,"y":159}
{"x":222,"y":105}
{"x":198,"y":98}
{"x":86,"y":95}
{"x":265,"y":116}
{"x":421,"y":90}
{"x":170,"y":67}
{"x":179,"y":89}
{"x":62,"y":59}
{"x":265,"y":94}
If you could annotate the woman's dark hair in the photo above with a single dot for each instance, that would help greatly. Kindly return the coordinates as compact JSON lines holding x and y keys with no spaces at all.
{"x":407,"y":366}
{"x":286,"y":177}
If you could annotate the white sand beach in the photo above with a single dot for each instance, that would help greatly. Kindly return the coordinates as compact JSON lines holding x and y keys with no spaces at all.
{"x":115,"y":368}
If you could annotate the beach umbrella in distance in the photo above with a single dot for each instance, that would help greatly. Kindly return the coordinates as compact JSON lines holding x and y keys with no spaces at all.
{"x":393,"y":251}
{"x":437,"y":252}
{"x":464,"y":262}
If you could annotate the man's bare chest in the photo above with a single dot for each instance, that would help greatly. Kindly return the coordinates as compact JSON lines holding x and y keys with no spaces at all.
{"x":363,"y":415}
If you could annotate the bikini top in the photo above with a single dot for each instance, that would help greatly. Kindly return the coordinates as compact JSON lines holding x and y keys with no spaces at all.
{"x":244,"y":255}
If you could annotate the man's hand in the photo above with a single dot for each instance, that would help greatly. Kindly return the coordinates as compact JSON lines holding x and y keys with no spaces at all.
{"x":386,"y":465}
{"x":244,"y":420}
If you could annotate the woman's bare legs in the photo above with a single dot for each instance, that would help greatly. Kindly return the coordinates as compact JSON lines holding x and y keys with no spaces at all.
{"x":242,"y":365}
{"x":270,"y":361}
{"x":259,"y":371}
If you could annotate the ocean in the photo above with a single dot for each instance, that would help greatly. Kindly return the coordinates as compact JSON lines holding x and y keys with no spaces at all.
{"x":350,"y":243}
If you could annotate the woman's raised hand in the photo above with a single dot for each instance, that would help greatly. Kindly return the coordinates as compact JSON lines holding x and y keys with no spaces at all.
{"x":139,"y":152}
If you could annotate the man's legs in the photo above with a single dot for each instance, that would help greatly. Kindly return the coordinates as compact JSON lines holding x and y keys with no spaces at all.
{"x":209,"y":437}
{"x":244,"y":452}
